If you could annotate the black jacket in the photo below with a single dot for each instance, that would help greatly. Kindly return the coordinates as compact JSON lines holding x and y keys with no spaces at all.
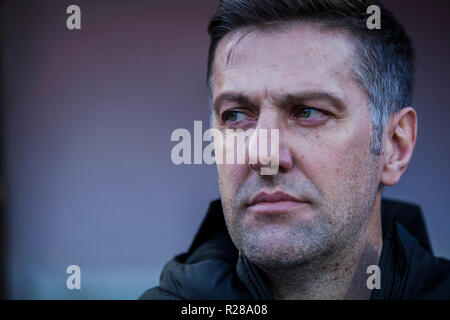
{"x":213,"y":268}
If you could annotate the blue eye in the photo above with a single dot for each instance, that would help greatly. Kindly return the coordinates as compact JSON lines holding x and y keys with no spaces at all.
{"x":309,"y":113}
{"x":234,"y":116}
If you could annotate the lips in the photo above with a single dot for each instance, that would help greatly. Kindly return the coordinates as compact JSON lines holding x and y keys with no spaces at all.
{"x":272,"y":197}
{"x":276,"y":202}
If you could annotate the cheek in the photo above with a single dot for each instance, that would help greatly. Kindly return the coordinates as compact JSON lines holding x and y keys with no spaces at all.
{"x":333,"y":162}
{"x":231,"y":177}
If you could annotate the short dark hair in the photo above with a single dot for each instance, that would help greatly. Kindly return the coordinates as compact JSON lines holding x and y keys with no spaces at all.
{"x":385,"y":68}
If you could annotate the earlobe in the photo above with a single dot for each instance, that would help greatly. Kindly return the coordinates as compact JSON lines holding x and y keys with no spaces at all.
{"x":399,"y":145}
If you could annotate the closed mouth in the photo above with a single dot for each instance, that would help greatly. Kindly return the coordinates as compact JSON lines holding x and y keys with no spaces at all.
{"x":274,"y":202}
{"x":277,"y":196}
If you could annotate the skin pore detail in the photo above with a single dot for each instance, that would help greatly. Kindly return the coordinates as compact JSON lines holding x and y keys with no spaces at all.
{"x":321,"y":247}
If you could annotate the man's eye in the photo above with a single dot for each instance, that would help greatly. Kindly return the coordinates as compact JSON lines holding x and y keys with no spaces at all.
{"x":234,"y":116}
{"x":308,"y":113}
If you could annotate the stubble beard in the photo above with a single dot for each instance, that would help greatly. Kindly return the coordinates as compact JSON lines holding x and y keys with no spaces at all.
{"x":278,"y":243}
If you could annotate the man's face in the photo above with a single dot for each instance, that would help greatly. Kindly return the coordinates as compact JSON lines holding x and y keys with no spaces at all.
{"x":300,"y":81}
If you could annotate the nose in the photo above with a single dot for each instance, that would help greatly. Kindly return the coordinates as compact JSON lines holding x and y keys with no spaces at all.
{"x":269,"y":151}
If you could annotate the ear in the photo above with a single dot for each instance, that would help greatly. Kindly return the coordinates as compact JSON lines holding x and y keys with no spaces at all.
{"x":399,"y":145}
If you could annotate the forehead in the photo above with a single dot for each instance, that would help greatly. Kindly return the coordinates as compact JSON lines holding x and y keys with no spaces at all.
{"x":302,"y":56}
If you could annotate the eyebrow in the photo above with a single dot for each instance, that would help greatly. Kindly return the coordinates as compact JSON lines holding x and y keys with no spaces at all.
{"x":238,"y":98}
{"x":303,"y":97}
{"x":284,"y":100}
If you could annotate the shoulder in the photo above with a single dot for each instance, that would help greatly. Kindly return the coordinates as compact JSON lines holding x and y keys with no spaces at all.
{"x":425,"y":276}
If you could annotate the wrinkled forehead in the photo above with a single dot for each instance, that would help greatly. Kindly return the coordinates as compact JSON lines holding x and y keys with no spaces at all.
{"x":286,"y":57}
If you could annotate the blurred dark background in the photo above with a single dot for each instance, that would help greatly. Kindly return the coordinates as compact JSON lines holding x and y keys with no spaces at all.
{"x":87,"y":117}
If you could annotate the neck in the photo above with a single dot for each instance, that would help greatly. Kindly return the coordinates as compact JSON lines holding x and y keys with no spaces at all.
{"x":341,"y":274}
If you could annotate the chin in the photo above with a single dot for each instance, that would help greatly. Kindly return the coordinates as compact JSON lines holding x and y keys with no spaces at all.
{"x":276,"y":251}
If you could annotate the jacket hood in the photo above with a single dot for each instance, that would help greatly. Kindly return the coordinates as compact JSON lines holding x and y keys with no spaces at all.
{"x":211,"y":253}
